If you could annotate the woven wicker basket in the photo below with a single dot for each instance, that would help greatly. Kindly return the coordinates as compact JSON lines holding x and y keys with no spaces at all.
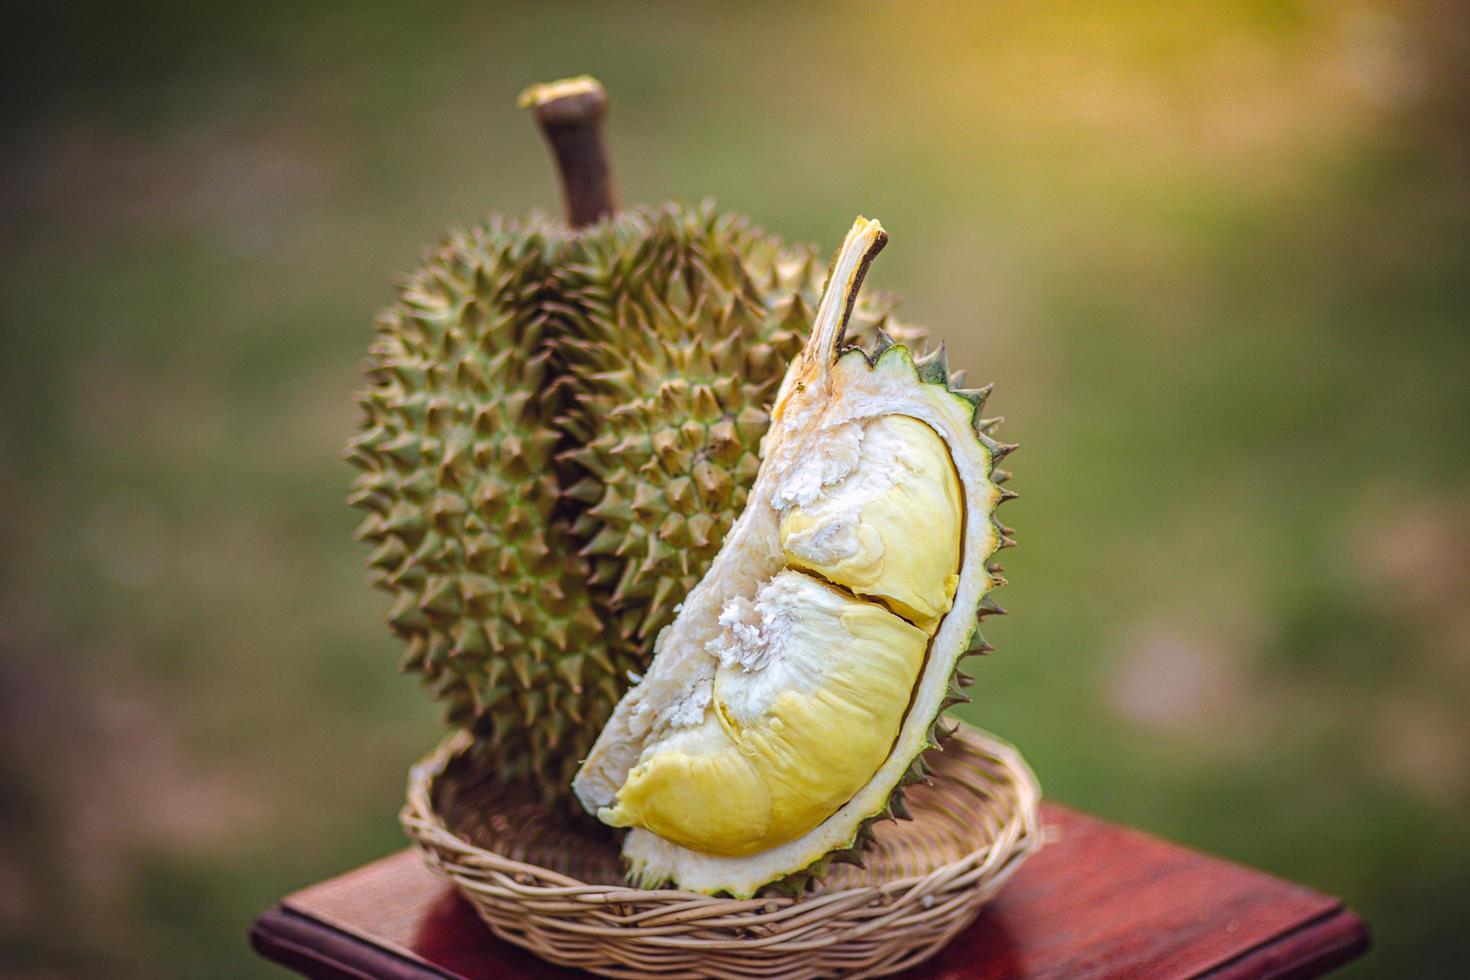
{"x":554,"y":884}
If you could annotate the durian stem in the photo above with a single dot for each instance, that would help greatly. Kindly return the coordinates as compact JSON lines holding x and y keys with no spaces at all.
{"x":808,"y":373}
{"x":570,"y":114}
{"x":864,"y":241}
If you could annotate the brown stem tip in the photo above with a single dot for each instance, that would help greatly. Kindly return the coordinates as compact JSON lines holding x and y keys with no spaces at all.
{"x":570,"y":114}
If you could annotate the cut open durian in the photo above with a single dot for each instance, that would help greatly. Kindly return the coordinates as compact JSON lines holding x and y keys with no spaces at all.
{"x":796,"y":690}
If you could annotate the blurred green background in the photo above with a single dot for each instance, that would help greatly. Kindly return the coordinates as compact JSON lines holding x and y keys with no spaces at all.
{"x":1216,"y":258}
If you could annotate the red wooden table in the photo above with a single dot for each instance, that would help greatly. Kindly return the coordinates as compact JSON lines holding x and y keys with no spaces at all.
{"x":1100,"y":901}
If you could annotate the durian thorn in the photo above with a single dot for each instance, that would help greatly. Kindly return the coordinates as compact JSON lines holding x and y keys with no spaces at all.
{"x":570,"y":113}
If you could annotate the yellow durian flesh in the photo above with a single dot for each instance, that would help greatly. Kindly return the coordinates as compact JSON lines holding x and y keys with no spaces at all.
{"x":891,"y":529}
{"x":808,"y":698}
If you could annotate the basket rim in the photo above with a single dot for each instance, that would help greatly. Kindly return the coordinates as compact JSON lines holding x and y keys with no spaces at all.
{"x":421,"y":819}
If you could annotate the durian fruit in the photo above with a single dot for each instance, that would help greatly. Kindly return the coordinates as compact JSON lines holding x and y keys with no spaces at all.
{"x":561,"y":423}
{"x":804,"y":677}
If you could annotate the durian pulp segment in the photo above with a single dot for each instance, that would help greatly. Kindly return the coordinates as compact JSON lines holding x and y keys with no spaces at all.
{"x":808,"y":697}
{"x":891,"y":529}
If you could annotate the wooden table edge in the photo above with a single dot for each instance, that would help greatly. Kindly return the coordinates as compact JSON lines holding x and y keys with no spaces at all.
{"x":1332,"y":939}
{"x":302,"y":942}
{"x":305,"y":943}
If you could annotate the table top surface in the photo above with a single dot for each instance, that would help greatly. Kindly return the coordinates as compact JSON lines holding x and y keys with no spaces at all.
{"x":1100,"y":900}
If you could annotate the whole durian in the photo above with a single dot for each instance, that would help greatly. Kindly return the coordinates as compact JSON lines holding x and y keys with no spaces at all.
{"x":561,"y":424}
{"x":804,"y":676}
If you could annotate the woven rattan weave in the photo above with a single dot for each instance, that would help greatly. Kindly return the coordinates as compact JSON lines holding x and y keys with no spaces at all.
{"x":554,"y":884}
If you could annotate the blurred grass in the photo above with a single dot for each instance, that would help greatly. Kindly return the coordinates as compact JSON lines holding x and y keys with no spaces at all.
{"x":1213,"y":256}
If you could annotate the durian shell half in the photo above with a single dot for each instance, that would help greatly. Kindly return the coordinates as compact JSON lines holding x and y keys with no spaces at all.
{"x":826,"y":386}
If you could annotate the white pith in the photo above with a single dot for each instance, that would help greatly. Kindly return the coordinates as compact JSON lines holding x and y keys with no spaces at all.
{"x":770,"y":647}
{"x":734,"y":615}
